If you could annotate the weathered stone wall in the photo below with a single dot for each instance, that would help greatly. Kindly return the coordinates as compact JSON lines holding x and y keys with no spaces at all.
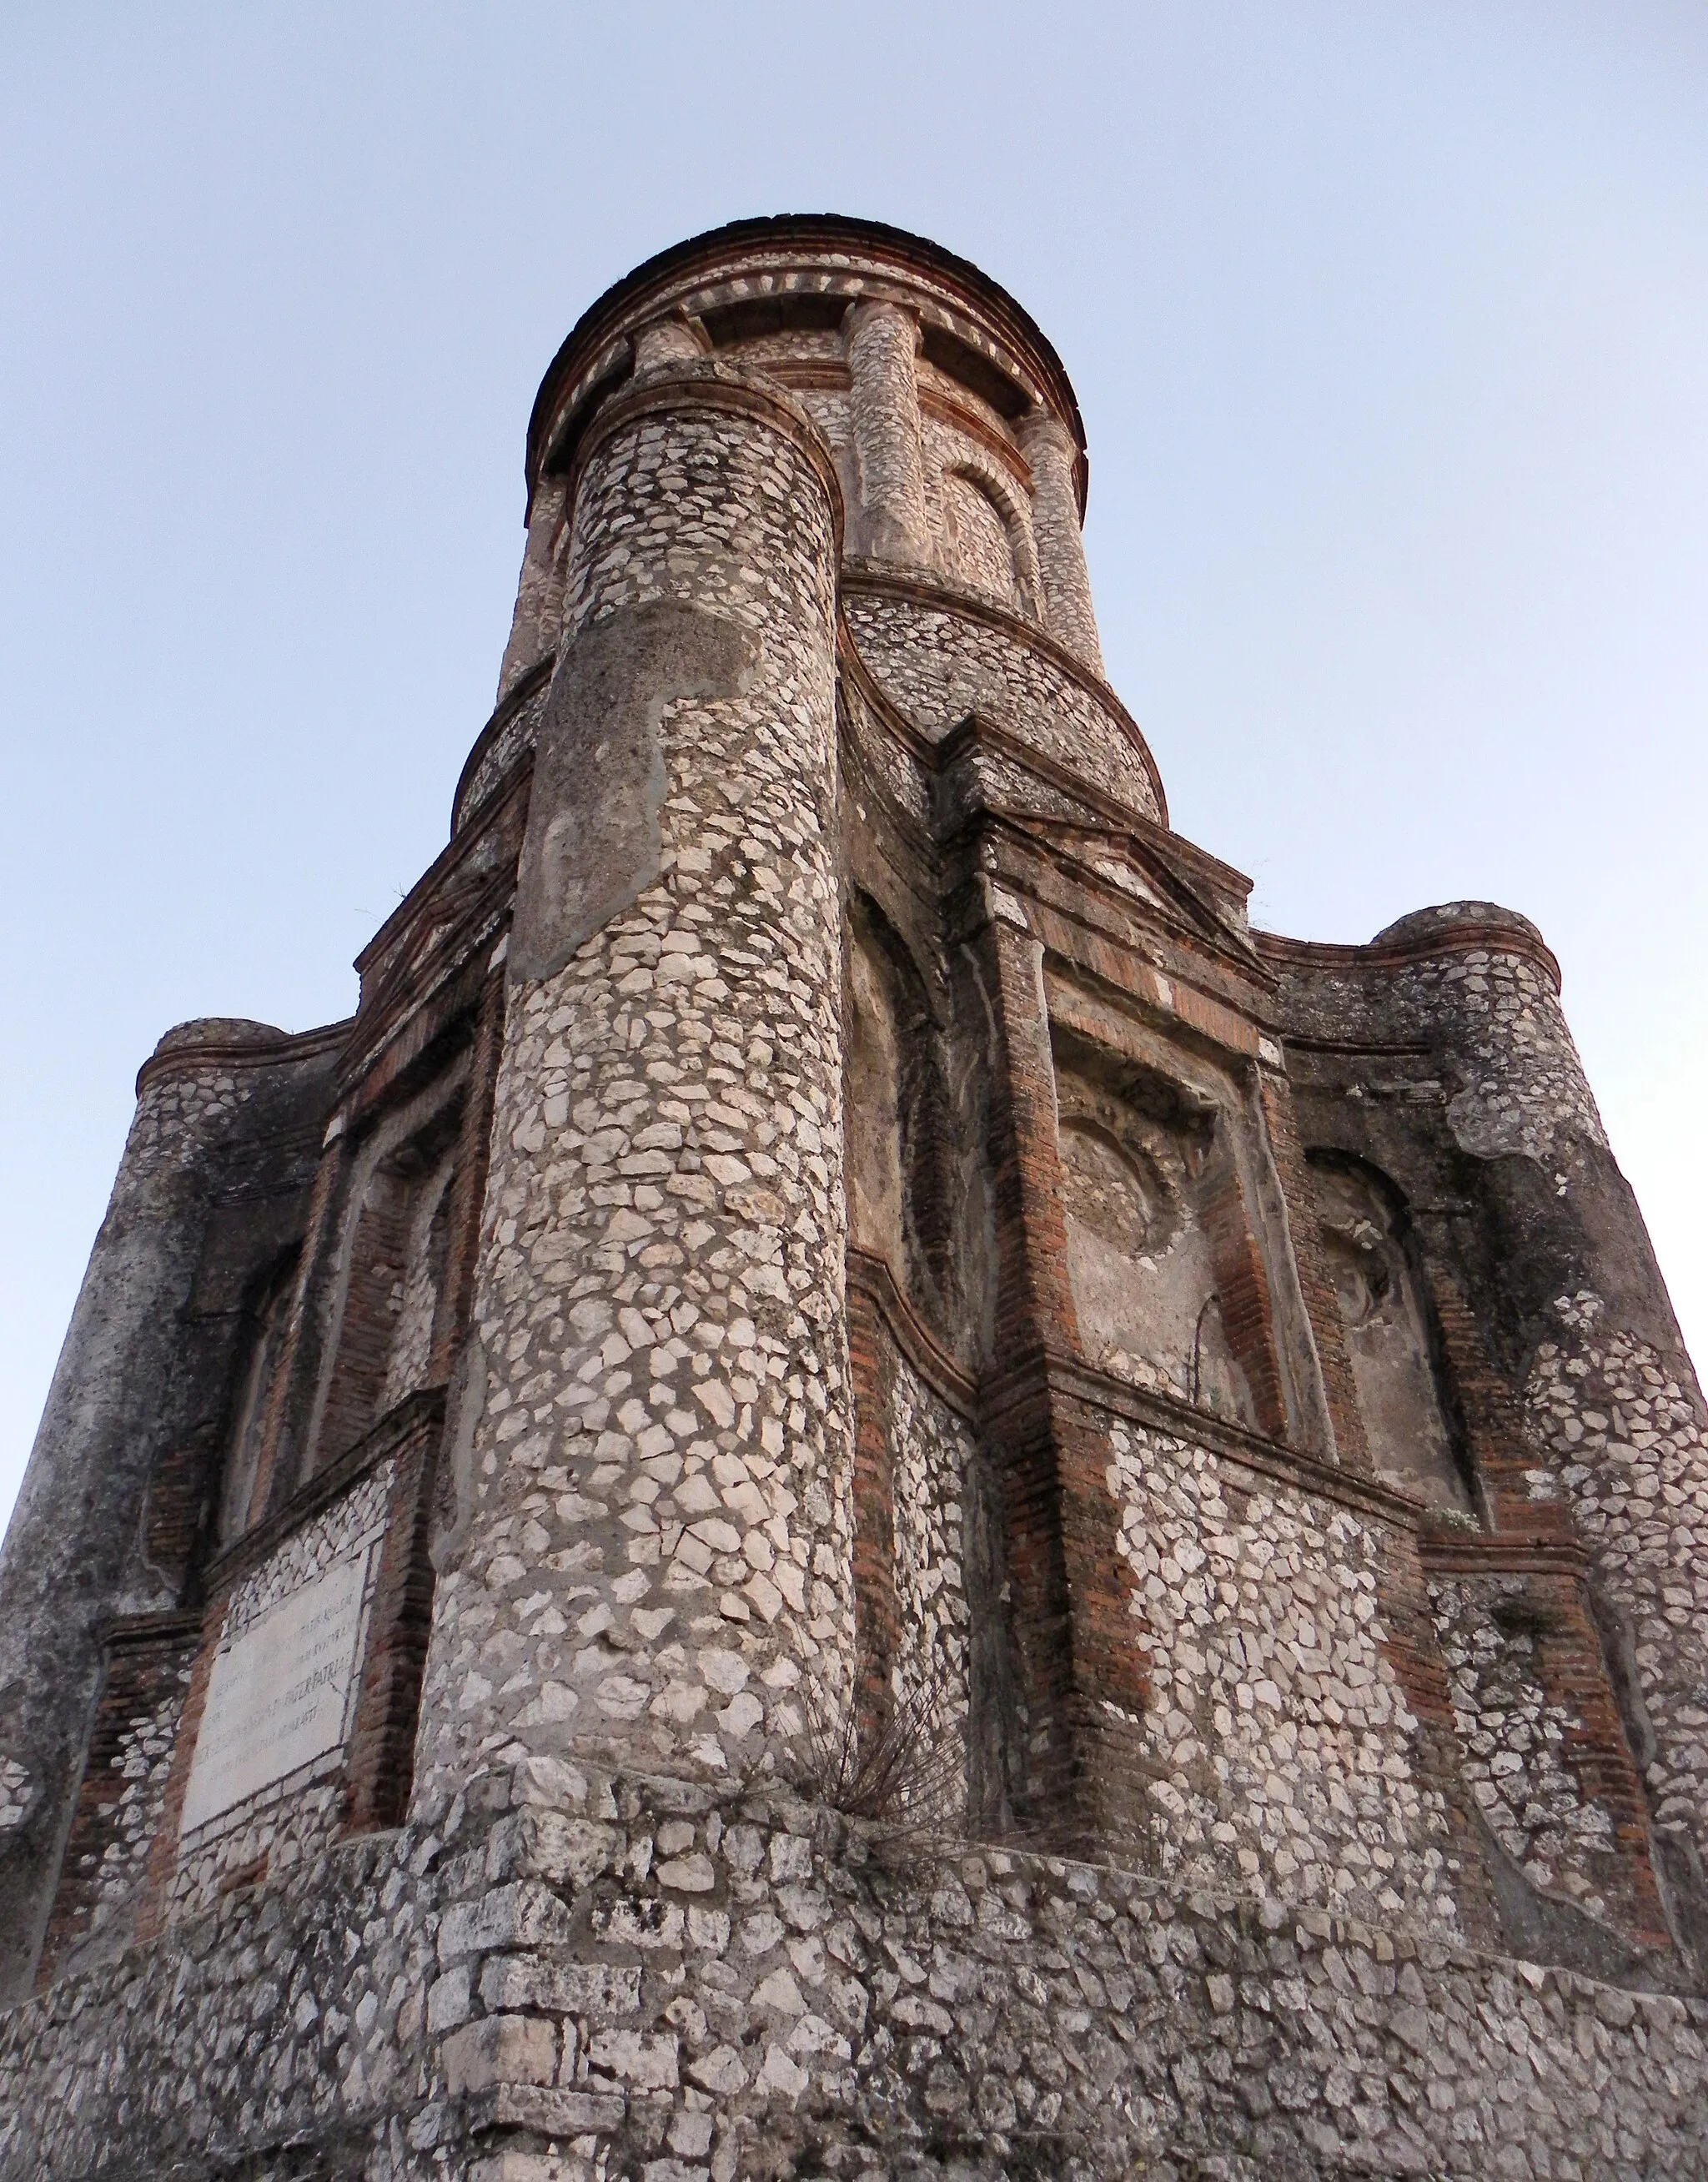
{"x":864,"y":1334}
{"x":1518,"y":1741}
{"x":103,"y":1884}
{"x":210,"y":1187}
{"x":1552,"y":1326}
{"x":1525,"y":1091}
{"x":932,"y":1450}
{"x":569,"y":1975}
{"x":1281,"y":1739}
{"x":1622,"y":1430}
{"x":939,"y":664}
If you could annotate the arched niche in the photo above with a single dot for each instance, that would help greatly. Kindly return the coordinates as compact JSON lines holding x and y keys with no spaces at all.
{"x":1147,"y":1174}
{"x":267,"y":1315}
{"x":1385,"y":1317}
{"x":898,"y":1124}
{"x":389,"y":1274}
{"x":986,"y":535}
{"x":978,"y":540}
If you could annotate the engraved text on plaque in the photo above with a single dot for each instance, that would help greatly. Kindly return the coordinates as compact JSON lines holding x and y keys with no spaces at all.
{"x":279,"y":1693}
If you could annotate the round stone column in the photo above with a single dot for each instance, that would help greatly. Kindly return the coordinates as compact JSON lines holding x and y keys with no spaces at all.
{"x":1612,"y":1439}
{"x":74,"y":1553}
{"x":1048,"y":446}
{"x":651,"y":1559}
{"x":882,"y":344}
{"x":532,"y":628}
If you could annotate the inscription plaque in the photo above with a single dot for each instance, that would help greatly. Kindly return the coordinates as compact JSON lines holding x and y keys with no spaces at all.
{"x":279,"y":1693}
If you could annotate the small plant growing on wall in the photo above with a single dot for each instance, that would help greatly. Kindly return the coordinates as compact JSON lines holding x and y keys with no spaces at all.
{"x":906,"y":1770}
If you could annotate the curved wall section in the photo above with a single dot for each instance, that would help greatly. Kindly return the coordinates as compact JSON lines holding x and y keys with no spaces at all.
{"x":938,"y":658}
{"x":227,"y":1117}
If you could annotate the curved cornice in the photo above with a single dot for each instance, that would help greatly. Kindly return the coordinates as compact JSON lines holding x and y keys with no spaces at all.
{"x":223,"y":1042}
{"x":1502,"y":933}
{"x":526,"y":687}
{"x":822,"y":253}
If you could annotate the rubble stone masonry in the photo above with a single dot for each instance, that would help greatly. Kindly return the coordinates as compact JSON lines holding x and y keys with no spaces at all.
{"x":853,"y":1489}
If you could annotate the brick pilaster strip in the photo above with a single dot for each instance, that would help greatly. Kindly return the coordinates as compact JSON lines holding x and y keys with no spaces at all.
{"x":468,"y":1185}
{"x":145,"y":1659}
{"x":1488,"y":1409}
{"x":1073,"y":1629}
{"x":1572,"y":1668}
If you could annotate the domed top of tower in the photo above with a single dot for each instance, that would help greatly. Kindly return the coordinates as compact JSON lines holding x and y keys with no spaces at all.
{"x":777,"y":293}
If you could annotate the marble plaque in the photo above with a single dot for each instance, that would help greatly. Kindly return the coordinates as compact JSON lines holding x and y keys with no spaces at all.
{"x":280,"y":1694}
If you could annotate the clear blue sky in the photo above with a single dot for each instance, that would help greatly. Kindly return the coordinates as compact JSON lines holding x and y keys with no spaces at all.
{"x":1389,"y":323}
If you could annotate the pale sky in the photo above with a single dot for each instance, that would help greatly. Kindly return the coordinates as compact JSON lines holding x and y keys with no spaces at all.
{"x":1389,"y":323}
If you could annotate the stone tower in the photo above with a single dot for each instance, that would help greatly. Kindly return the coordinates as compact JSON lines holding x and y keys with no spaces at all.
{"x":853,"y":1488}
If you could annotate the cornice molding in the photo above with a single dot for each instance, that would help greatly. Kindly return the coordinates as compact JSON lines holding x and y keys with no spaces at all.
{"x":1501,"y":1553}
{"x":517,"y":700}
{"x":416,"y":1416}
{"x":276,"y":1050}
{"x":803,"y":254}
{"x":1074,"y":1378}
{"x":872,"y":1276}
{"x":1473,"y":935}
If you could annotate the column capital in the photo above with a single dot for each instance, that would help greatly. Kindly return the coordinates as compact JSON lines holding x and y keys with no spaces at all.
{"x":1040,"y":430}
{"x":868,"y":309}
{"x":673,"y":339}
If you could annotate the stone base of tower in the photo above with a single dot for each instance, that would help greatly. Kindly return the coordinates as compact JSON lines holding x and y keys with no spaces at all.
{"x":575,"y":1977}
